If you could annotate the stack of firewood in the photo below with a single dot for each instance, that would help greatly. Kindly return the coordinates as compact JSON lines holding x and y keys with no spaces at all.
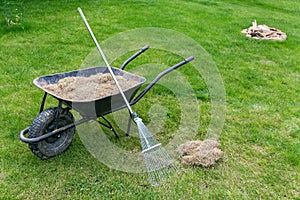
{"x":264,"y":32}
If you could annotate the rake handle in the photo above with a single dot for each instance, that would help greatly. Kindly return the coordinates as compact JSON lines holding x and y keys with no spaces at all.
{"x":105,"y":61}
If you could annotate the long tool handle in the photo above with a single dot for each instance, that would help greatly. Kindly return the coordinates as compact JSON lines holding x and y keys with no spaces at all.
{"x":104,"y":59}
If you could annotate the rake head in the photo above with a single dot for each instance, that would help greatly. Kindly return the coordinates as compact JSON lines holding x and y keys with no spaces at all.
{"x":158,"y":162}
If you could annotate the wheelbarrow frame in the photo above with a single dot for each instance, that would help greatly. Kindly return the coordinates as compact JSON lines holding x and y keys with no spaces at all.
{"x":99,"y":114}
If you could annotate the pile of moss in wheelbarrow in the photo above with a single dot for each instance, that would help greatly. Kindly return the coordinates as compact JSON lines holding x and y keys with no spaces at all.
{"x":88,"y":88}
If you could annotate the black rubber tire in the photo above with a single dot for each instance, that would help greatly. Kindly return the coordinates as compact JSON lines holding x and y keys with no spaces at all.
{"x":55,"y":145}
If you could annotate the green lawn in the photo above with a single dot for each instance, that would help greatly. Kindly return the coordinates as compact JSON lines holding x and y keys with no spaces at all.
{"x":260,"y":136}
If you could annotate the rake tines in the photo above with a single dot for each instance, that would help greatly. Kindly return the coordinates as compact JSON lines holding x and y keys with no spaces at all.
{"x":158,"y":162}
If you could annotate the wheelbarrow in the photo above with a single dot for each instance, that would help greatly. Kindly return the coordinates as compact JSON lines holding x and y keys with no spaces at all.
{"x":53,"y":129}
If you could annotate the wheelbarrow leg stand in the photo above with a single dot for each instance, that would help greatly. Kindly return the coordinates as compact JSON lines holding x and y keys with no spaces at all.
{"x":108,"y":125}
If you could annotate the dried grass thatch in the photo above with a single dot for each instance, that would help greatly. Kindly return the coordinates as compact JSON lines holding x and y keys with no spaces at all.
{"x":200,"y":153}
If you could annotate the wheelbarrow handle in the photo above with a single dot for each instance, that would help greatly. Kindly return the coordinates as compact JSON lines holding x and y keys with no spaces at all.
{"x":159,"y":76}
{"x":189,"y":59}
{"x":134,"y":56}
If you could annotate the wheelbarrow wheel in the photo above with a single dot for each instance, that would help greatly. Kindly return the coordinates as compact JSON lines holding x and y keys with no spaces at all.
{"x":42,"y":124}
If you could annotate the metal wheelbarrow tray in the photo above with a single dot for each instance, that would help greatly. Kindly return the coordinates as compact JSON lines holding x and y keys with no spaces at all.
{"x":95,"y":107}
{"x":52,"y":131}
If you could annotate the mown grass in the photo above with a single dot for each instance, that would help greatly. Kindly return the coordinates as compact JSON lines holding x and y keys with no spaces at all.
{"x":261,"y":134}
